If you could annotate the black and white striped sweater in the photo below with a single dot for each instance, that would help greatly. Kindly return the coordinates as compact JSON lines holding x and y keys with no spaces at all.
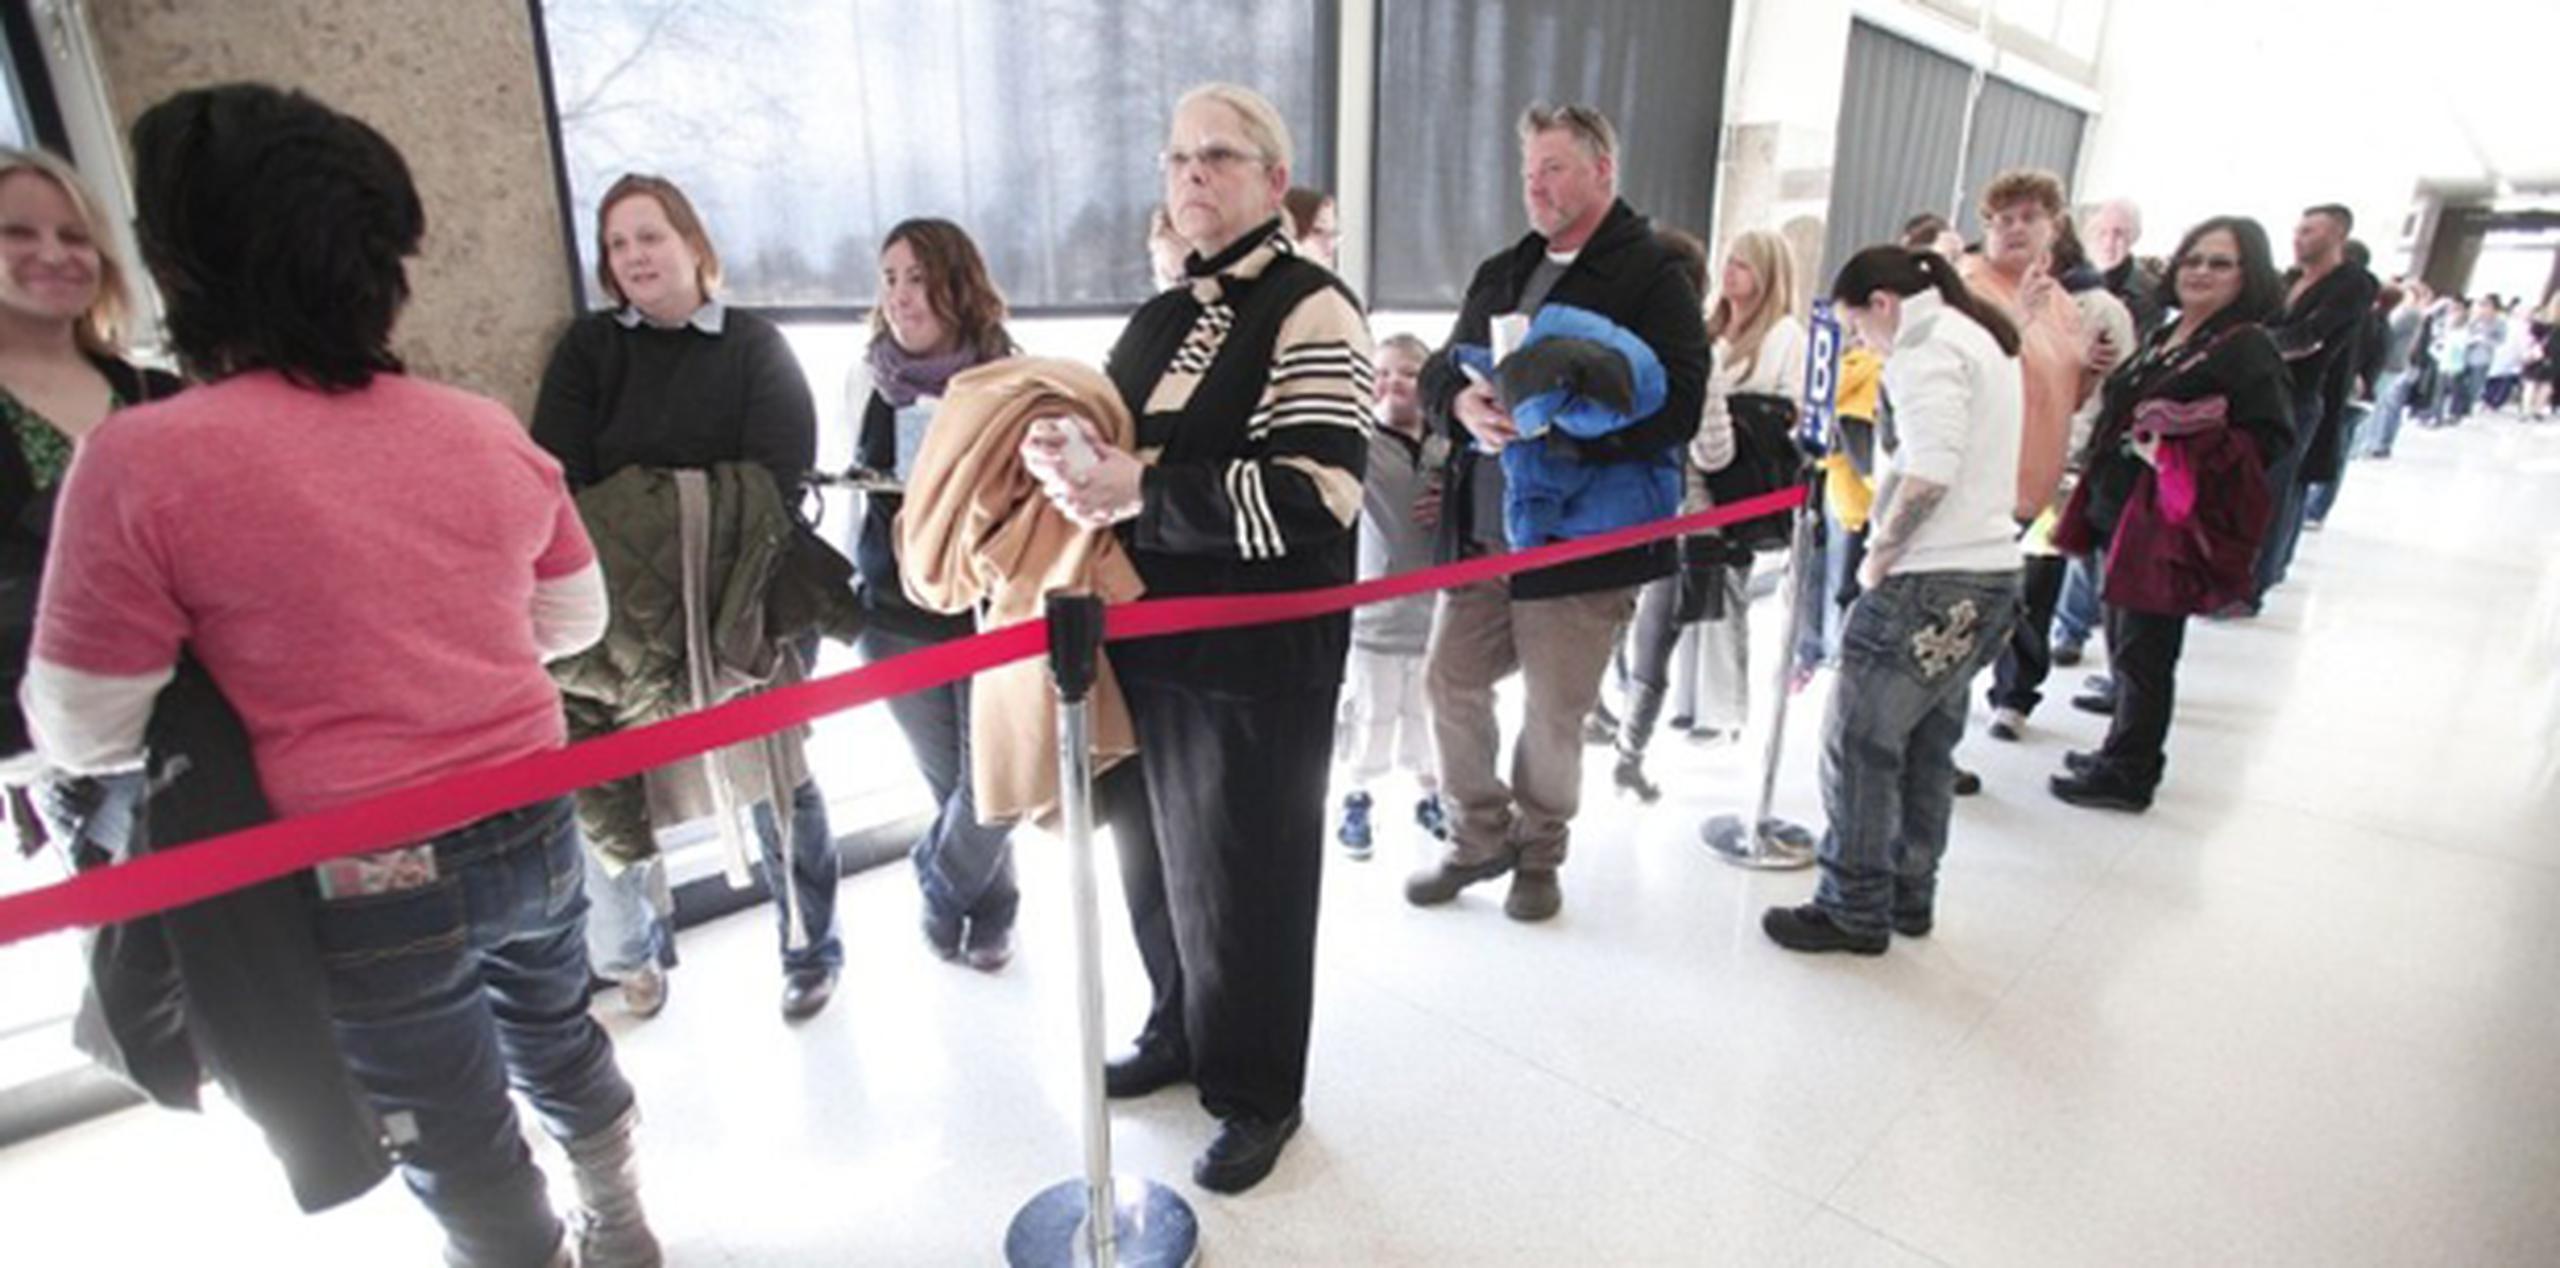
{"x":1251,"y":386}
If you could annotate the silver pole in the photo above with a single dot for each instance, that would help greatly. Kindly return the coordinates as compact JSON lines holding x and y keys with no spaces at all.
{"x":1083,"y":1221}
{"x":1765,"y":842}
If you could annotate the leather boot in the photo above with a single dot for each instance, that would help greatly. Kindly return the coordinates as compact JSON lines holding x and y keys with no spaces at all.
{"x":611,"y":1230}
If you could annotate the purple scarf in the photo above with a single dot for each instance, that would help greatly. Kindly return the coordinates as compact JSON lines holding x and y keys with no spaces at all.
{"x":900,"y":376}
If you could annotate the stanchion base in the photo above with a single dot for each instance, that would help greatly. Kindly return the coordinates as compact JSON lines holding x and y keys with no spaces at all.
{"x":1778,"y":846}
{"x":1156,"y":1228}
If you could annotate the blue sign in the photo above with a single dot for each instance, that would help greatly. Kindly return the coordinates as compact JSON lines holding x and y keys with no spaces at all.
{"x":1821,"y":380}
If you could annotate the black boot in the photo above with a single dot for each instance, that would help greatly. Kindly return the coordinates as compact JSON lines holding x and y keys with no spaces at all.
{"x":1635,"y":732}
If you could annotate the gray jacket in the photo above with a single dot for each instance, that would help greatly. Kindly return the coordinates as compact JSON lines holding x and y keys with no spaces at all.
{"x":1391,"y":542}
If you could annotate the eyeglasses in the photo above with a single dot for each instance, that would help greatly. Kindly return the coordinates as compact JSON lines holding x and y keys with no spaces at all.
{"x":1214,"y":156}
{"x":2210,"y":263}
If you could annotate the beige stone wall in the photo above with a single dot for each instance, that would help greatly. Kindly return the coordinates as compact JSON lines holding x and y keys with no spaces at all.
{"x":455,"y":85}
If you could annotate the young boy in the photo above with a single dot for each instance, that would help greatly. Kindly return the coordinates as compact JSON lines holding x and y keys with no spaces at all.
{"x":1384,"y":726}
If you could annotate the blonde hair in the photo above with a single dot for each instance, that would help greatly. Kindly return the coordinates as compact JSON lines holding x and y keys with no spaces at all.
{"x":1263,"y":126}
{"x":680,"y":216}
{"x":1771,"y":260}
{"x":100,"y":330}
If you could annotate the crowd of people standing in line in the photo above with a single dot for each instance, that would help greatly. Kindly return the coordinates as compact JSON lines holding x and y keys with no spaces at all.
{"x":2041,"y":437}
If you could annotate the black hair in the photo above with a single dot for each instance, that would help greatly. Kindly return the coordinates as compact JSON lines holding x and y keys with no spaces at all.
{"x":2261,"y":295}
{"x":1906,"y":272}
{"x":1923,"y":228}
{"x":275,"y":227}
{"x":2335,"y":211}
{"x":2357,"y":253}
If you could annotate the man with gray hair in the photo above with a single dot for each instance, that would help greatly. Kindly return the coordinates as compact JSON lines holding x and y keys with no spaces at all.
{"x":1555,"y":627}
{"x":2109,"y":232}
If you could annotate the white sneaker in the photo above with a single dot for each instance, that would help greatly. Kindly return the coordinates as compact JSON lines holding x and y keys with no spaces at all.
{"x":2007,"y":724}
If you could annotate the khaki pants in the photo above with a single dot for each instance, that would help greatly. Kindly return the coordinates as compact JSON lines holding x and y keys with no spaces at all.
{"x":1559,"y":647}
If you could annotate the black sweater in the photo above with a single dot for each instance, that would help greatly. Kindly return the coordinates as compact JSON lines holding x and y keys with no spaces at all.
{"x":616,"y":397}
{"x":1627,"y":276}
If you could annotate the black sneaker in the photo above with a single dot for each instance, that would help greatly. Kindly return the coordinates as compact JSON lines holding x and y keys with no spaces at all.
{"x":2008,"y":724}
{"x":2101,"y":790}
{"x":805,"y":993}
{"x":1967,"y":783}
{"x":1245,"y":1151}
{"x":2067,"y":654}
{"x":2102,"y":704}
{"x":1809,"y":928}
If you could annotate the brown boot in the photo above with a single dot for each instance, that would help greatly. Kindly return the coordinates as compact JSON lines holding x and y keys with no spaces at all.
{"x":1441,"y":881}
{"x":1534,"y":894}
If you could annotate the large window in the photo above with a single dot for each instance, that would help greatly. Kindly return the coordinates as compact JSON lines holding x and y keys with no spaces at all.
{"x":1452,"y":78}
{"x":804,"y":129}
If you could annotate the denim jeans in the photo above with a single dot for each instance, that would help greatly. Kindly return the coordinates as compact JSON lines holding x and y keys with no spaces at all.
{"x":448,"y":994}
{"x":1889,"y":740}
{"x":635,"y":915}
{"x":2390,"y":401}
{"x":2079,"y":611}
{"x":964,"y":867}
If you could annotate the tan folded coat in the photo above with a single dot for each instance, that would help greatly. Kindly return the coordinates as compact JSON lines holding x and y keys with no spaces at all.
{"x":976,"y":534}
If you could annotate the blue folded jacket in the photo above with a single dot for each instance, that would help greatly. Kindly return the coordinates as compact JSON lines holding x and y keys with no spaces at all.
{"x":1576,"y":376}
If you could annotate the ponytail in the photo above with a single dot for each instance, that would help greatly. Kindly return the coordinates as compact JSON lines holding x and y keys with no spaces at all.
{"x":1906,"y":273}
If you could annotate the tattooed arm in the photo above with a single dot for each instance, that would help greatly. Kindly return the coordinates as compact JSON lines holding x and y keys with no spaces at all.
{"x":1902,"y":506}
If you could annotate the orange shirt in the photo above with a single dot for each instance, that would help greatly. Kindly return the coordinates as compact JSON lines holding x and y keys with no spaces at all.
{"x":2053,"y":360}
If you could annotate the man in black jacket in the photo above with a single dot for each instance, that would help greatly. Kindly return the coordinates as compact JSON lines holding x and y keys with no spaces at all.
{"x":2326,"y":299}
{"x":1556,"y":626}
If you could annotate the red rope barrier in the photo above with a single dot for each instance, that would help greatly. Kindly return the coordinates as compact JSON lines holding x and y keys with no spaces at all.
{"x":158,"y":882}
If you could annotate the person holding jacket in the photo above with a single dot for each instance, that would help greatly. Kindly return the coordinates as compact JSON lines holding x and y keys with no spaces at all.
{"x":939,"y":314}
{"x":1250,"y":385}
{"x":373,"y":568}
{"x":63,"y":300}
{"x":671,"y":378}
{"x":1555,"y":627}
{"x":2177,"y":491}
{"x":1941,"y":591}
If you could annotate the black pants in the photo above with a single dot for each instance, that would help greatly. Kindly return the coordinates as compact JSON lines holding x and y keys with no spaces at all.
{"x":1238,"y":791}
{"x":2017,"y":682}
{"x":2142,"y":654}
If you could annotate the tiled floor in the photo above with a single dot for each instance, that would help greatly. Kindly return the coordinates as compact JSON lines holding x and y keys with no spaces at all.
{"x":2301,"y":1013}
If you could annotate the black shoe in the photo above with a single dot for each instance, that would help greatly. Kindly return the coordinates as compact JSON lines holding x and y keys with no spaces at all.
{"x":2079,"y":763}
{"x":1630,"y":778}
{"x":988,"y":947}
{"x":2101,"y":790}
{"x":805,"y":992}
{"x":2008,"y":724}
{"x":942,"y":933}
{"x":1914,"y":924}
{"x":1146,"y":1069}
{"x":1244,"y":1152}
{"x":2102,"y":704}
{"x":1809,"y":928}
{"x":2067,"y":654}
{"x":1967,"y":783}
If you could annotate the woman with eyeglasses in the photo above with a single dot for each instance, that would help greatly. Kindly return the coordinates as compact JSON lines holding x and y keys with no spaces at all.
{"x":2176,"y":493}
{"x":1251,"y":389}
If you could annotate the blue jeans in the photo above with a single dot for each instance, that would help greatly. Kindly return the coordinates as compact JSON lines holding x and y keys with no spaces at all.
{"x":964,"y":867}
{"x":634,"y":914}
{"x":1889,"y":740}
{"x":2079,"y":611}
{"x":446,"y":995}
{"x":2390,"y":402}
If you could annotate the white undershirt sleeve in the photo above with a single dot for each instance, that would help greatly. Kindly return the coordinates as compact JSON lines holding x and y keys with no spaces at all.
{"x":570,"y":612}
{"x":88,"y":724}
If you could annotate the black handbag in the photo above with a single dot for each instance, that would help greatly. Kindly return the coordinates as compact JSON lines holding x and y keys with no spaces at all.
{"x":1765,"y":460}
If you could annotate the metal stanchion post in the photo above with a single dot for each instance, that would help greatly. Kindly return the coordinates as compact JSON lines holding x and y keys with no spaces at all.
{"x":1766,"y":842}
{"x":1098,"y":1221}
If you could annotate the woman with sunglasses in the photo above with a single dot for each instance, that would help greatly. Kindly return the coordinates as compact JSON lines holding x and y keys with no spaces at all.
{"x":2176,"y":494}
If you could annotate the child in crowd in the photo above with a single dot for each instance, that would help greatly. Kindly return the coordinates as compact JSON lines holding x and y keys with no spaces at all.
{"x":1384,"y":726}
